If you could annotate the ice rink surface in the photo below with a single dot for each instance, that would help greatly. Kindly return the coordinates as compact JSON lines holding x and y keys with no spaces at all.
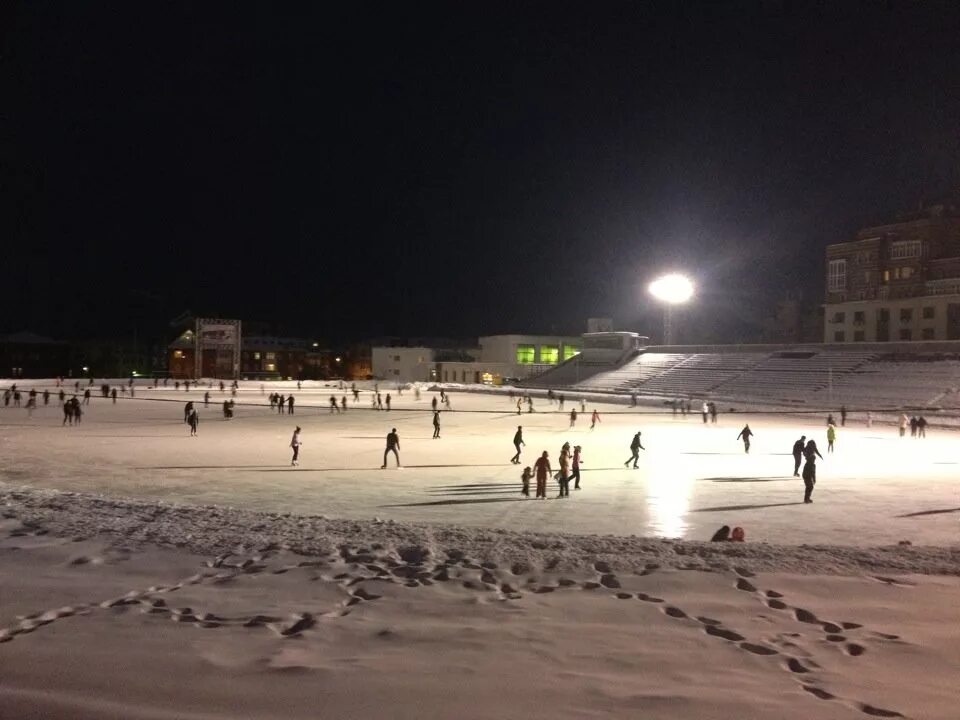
{"x":875,"y":489}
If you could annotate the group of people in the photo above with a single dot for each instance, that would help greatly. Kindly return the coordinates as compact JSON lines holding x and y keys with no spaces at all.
{"x":807,"y":451}
{"x":917,"y":425}
{"x":569,"y":470}
{"x":281,"y":403}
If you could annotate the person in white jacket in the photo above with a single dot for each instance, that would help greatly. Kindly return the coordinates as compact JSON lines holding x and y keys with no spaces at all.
{"x":295,"y":444}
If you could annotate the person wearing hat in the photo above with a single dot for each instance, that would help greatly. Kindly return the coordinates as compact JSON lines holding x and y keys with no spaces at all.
{"x":295,"y":444}
{"x":542,"y":469}
{"x":798,"y":454}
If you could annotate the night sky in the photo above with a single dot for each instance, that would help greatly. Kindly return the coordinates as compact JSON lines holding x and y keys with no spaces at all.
{"x":456,"y":169}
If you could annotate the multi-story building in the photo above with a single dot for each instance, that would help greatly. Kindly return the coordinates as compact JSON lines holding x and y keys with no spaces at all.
{"x":896,"y":282}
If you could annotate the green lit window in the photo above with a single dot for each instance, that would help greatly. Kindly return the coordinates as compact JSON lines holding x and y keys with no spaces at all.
{"x":525,"y":354}
{"x":549,"y":354}
{"x":569,"y":351}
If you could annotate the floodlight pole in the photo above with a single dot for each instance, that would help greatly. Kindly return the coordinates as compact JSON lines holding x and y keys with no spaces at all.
{"x":668,"y":323}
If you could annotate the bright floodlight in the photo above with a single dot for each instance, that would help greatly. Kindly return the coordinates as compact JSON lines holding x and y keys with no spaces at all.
{"x":673,"y":289}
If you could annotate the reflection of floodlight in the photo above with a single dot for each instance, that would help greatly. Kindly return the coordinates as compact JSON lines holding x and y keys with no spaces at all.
{"x":316,"y":344}
{"x":337,"y":359}
{"x":86,"y":369}
{"x":671,"y":290}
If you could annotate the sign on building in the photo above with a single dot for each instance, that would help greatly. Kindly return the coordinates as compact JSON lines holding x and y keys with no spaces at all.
{"x":222,"y":339}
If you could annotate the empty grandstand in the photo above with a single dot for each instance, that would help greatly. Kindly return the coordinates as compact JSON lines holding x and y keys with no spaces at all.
{"x":884,"y":376}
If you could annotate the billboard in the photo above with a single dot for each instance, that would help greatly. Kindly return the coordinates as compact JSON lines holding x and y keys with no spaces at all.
{"x":217,"y":335}
{"x":223,"y":337}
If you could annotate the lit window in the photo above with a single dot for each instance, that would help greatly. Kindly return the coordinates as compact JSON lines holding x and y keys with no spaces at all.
{"x":256,"y":356}
{"x":569,"y":351}
{"x":271,"y":367}
{"x":905,"y":249}
{"x":525,"y":354}
{"x":886,"y":276}
{"x":906,"y":273}
{"x":549,"y":354}
{"x":837,"y":276}
{"x":271,"y":356}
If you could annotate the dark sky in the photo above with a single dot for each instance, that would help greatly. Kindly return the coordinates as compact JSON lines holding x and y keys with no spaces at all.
{"x":455,"y":169}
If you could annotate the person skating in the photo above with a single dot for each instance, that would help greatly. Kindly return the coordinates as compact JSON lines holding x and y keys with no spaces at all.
{"x":295,"y":444}
{"x":573,"y":417}
{"x":113,"y":395}
{"x":746,"y":434}
{"x":68,"y":413}
{"x":379,"y":402}
{"x":227,"y":410}
{"x":525,"y":481}
{"x":46,"y":397}
{"x":831,"y":437}
{"x":575,"y":475}
{"x":798,"y":454}
{"x":913,"y":426}
{"x":563,"y":477}
{"x":187,"y":409}
{"x":343,"y":404}
{"x":903,"y":425}
{"x":290,"y":402}
{"x":281,"y":404}
{"x":519,"y":405}
{"x":561,"y":399}
{"x":60,"y":397}
{"x":356,"y":393}
{"x":921,"y":426}
{"x":705,"y":410}
{"x":273,"y":401}
{"x":529,"y":404}
{"x":713,"y":413}
{"x":206,"y":399}
{"x":517,"y":442}
{"x":594,"y":419}
{"x":843,"y":416}
{"x":436,"y":424}
{"x":333,"y":405}
{"x":193,"y":420}
{"x":388,"y":402}
{"x":543,"y":470}
{"x":393,"y":446}
{"x":77,"y":412}
{"x":86,"y":396}
{"x":433,"y":403}
{"x":635,"y":448}
{"x":811,"y":454}
{"x":830,"y":420}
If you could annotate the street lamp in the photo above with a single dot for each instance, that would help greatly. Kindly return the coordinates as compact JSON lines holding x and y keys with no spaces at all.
{"x":672,"y":289}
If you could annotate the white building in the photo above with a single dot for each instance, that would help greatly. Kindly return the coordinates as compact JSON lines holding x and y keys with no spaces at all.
{"x":403,"y":364}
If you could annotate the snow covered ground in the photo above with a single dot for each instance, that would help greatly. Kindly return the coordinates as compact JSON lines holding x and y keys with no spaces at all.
{"x":875,"y":489}
{"x":147,"y":575}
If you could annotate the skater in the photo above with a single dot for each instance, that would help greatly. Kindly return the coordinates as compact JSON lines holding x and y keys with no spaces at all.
{"x":393,"y":446}
{"x":843,"y":416}
{"x":635,"y":448}
{"x":517,"y":442}
{"x":356,"y":394}
{"x":281,"y":404}
{"x":869,"y":419}
{"x":113,"y":395}
{"x":798,"y":453}
{"x":594,"y":419}
{"x":543,"y":470}
{"x":186,"y":386}
{"x":705,"y":410}
{"x":583,"y":406}
{"x":388,"y":402}
{"x":436,"y":424}
{"x":713,"y":413}
{"x":333,"y":405}
{"x":903,"y":425}
{"x":16,"y":398}
{"x":298,"y":385}
{"x":563,"y":477}
{"x":379,"y":402}
{"x":575,"y":475}
{"x":913,"y":426}
{"x":206,"y":399}
{"x":193,"y":420}
{"x":573,"y":417}
{"x":46,"y":397}
{"x":343,"y":403}
{"x":746,"y":434}
{"x":295,"y":444}
{"x":921,"y":425}
{"x":222,"y":386}
{"x":633,"y":400}
{"x":831,"y":437}
{"x":811,"y":454}
{"x":562,"y":399}
{"x":187,"y":409}
{"x":290,"y":402}
{"x":433,"y":403}
{"x":416,"y":393}
{"x":60,"y":397}
{"x":550,"y":396}
{"x":273,"y":401}
{"x":529,"y":404}
{"x":519,"y":405}
{"x":86,"y":396}
{"x":525,"y":480}
{"x":77,"y":412}
{"x":227,"y":410}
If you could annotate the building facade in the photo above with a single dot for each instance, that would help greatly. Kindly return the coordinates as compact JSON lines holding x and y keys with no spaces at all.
{"x":896,"y":282}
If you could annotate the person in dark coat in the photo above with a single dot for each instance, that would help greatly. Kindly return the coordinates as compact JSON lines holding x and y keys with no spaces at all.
{"x":798,"y":454}
{"x":543,"y":471}
{"x":193,"y":420}
{"x":436,"y":424}
{"x":746,"y":434}
{"x":525,"y":481}
{"x":393,"y":446}
{"x":290,"y":402}
{"x":517,"y":442}
{"x":811,"y":454}
{"x":187,"y":409}
{"x":635,"y":448}
{"x":921,"y":424}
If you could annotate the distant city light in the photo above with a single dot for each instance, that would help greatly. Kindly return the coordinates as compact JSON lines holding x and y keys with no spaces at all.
{"x":316,"y":344}
{"x":86,"y":369}
{"x":673,"y":289}
{"x":337,"y":359}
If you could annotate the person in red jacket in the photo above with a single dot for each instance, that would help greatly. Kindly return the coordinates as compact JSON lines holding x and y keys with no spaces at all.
{"x":543,"y":471}
{"x":594,"y":419}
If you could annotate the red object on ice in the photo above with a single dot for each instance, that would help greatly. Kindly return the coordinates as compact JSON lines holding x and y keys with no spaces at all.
{"x":738,"y":535}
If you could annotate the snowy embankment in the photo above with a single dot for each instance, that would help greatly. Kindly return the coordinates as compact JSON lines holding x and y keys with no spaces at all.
{"x":216,"y":529}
